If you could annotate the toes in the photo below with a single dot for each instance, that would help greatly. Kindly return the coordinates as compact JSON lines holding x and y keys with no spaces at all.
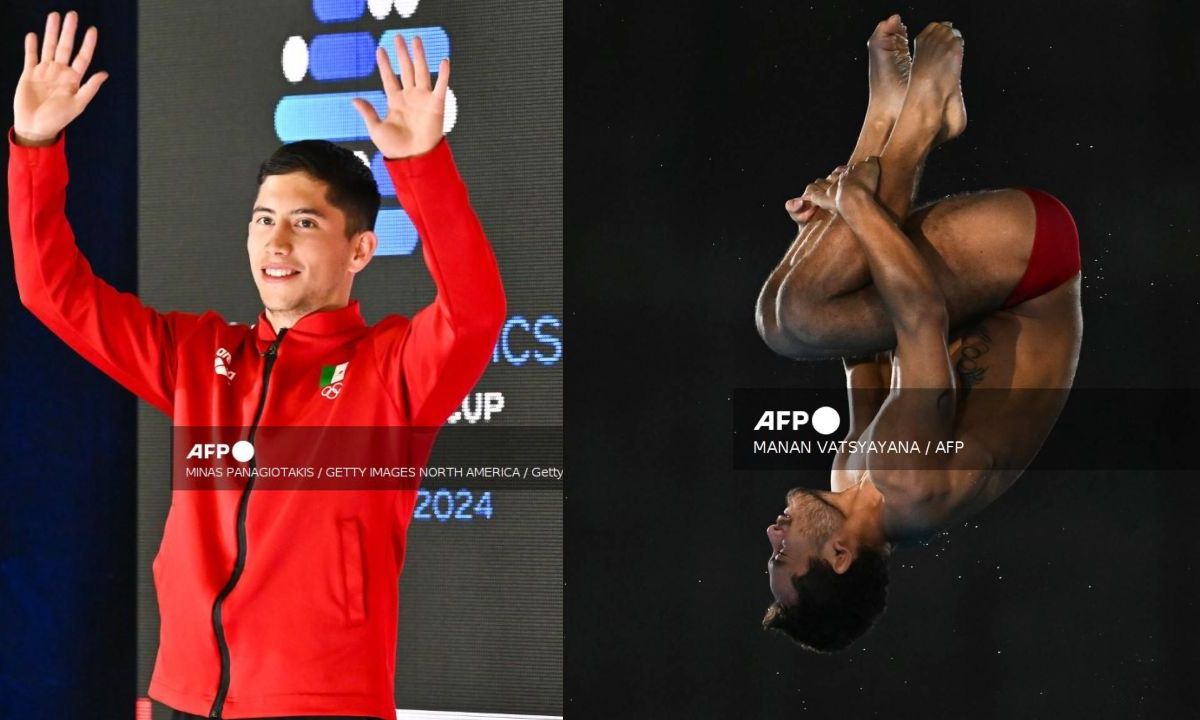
{"x":886,"y":30}
{"x":937,"y":34}
{"x":931,"y":29}
{"x":936,"y":30}
{"x":954,"y":32}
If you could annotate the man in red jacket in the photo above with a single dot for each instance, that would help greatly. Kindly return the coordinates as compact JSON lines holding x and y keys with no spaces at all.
{"x":275,"y":604}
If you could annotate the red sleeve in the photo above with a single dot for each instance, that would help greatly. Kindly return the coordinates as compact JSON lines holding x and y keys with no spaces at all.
{"x":127,"y":341}
{"x":446,"y":347}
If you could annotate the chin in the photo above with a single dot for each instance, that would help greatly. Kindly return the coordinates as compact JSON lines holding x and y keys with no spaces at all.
{"x":277,"y":305}
{"x":282,"y":297}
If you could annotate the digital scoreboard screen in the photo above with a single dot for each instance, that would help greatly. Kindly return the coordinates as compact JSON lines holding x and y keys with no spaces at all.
{"x":221,"y":86}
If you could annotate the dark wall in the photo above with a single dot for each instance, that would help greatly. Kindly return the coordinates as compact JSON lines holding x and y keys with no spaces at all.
{"x":67,"y":455}
{"x":688,"y":127}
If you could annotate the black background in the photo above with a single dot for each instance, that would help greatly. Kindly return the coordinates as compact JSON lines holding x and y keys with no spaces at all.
{"x":67,"y":458}
{"x":688,"y":127}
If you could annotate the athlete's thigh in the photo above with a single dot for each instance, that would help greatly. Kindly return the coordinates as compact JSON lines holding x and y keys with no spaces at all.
{"x":978,"y":246}
{"x":847,"y":325}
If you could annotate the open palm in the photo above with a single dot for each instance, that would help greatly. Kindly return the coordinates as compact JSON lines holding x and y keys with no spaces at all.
{"x":416,"y":107}
{"x":50,"y":93}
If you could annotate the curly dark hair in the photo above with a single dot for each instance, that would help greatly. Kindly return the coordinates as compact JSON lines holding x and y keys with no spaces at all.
{"x":352,"y":187}
{"x":833,"y":610}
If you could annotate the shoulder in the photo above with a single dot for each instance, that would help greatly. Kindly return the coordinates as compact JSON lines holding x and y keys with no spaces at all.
{"x":388,"y":335}
{"x":388,"y":325}
{"x":920,"y":503}
{"x":207,"y":323}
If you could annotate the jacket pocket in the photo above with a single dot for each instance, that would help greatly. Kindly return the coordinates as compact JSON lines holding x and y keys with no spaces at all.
{"x":353,"y":576}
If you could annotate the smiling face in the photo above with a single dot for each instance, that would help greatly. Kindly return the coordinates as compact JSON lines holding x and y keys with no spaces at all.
{"x":300,"y":255}
{"x":828,"y":568}
{"x":800,"y":534}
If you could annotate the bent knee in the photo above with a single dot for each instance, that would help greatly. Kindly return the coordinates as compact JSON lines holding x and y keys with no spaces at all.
{"x":766,"y":321}
{"x":789,"y":325}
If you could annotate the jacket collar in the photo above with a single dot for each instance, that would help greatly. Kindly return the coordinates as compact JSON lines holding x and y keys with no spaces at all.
{"x":312,"y":326}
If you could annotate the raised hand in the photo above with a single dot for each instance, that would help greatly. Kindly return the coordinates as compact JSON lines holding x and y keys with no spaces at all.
{"x":416,"y":108}
{"x":50,"y":93}
{"x":822,"y":192}
{"x":831,"y":193}
{"x":815,"y":197}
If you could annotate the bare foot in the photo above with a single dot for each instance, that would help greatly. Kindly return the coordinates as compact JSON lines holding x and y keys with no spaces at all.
{"x":936,"y":79}
{"x":890,"y":65}
{"x":954,"y":119}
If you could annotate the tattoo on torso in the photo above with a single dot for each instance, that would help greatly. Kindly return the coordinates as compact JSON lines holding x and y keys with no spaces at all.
{"x":970,"y":368}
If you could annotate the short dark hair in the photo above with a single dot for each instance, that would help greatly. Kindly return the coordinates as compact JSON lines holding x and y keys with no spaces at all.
{"x":833,"y":610}
{"x":352,"y":187}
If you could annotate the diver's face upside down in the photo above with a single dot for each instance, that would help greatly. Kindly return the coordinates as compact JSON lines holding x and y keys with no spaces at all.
{"x":828,"y":568}
{"x":802,"y":533}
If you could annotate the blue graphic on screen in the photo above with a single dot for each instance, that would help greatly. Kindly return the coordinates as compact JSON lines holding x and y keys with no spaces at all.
{"x":522,"y":341}
{"x":397,"y":236}
{"x":327,"y":116}
{"x":382,"y":179}
{"x":350,"y":56}
{"x":330,"y":11}
{"x":433,"y":39}
{"x":445,"y":505}
{"x":341,"y":56}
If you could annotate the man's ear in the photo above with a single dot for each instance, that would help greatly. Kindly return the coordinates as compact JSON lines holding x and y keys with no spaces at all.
{"x":365,"y":245}
{"x":843,"y":554}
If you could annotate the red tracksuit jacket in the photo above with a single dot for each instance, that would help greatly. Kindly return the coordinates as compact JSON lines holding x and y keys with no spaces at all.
{"x":276,"y":602}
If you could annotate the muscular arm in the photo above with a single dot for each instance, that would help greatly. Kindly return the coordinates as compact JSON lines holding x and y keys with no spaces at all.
{"x":907,"y":287}
{"x":921,"y":403}
{"x":867,"y":382}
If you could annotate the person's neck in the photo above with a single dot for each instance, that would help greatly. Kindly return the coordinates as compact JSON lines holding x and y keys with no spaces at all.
{"x":863,"y":506}
{"x":283,"y":319}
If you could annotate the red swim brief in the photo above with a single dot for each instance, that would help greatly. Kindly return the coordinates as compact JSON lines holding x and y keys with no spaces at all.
{"x":1054,"y":258}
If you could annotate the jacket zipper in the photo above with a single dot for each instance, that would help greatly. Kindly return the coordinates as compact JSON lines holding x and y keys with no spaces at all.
{"x":223,"y":689}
